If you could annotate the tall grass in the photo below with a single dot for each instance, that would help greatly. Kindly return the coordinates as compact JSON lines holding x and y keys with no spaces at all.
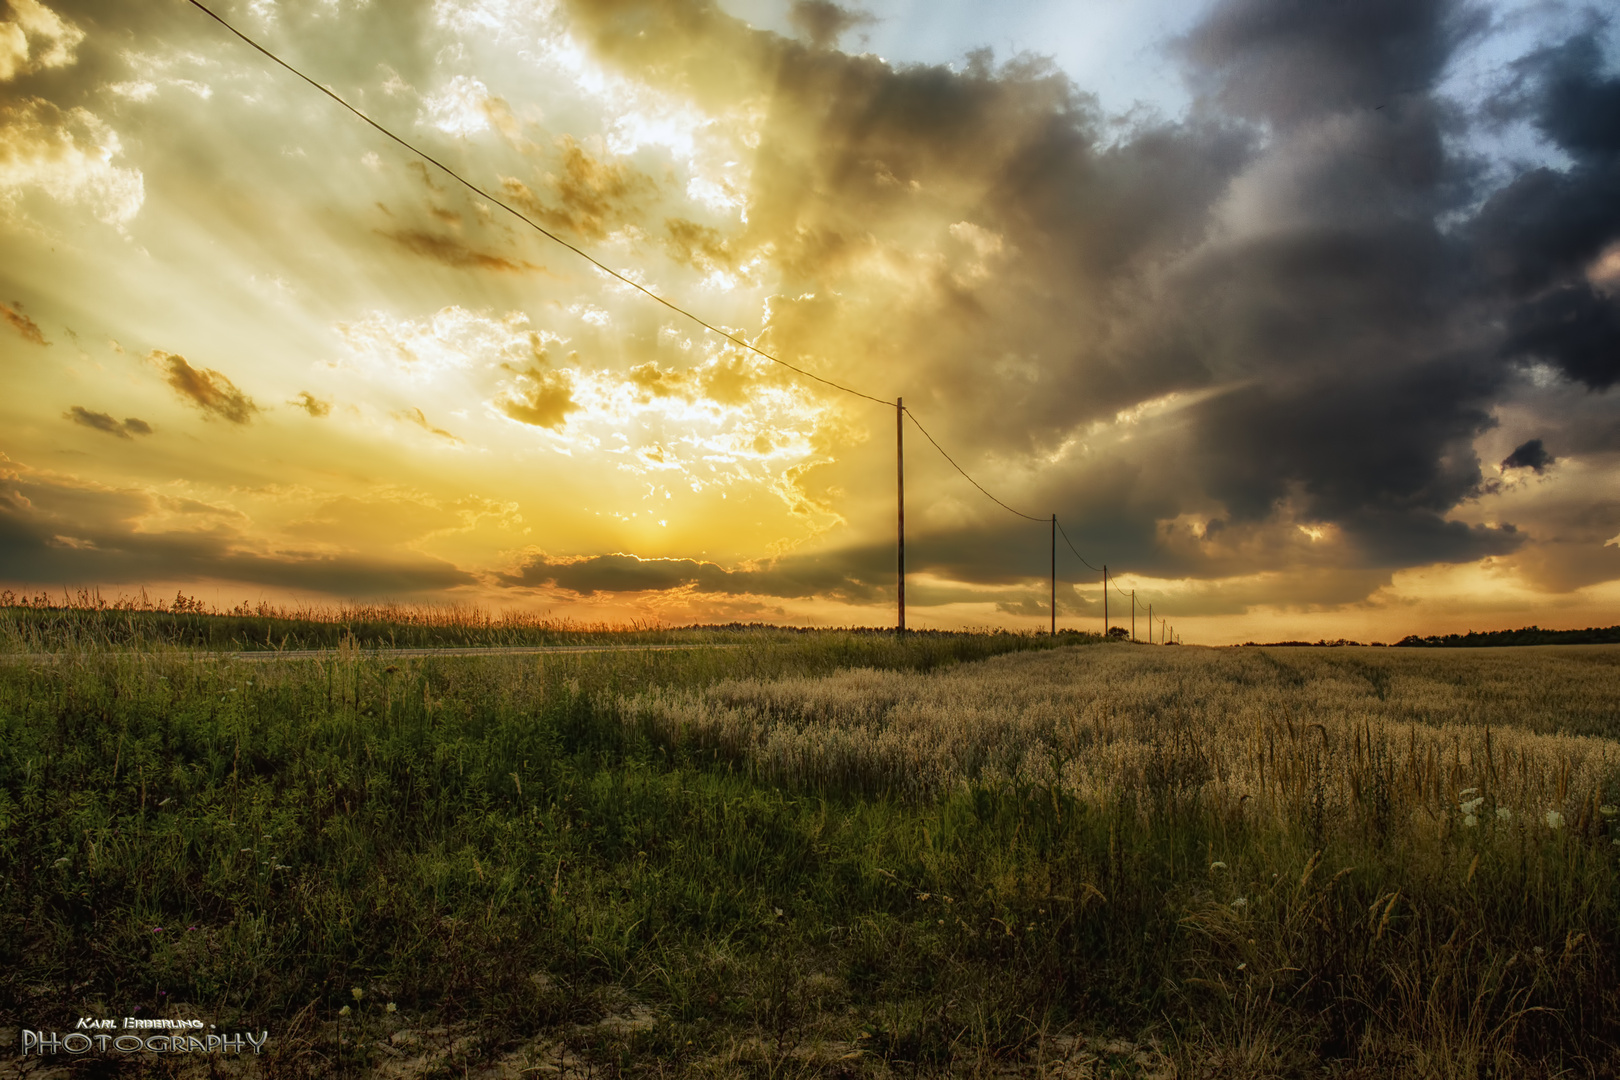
{"x":88,"y":621}
{"x":825,"y":854}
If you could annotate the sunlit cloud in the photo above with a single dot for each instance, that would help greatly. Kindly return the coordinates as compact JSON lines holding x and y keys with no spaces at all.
{"x":68,"y":156}
{"x":35,"y":38}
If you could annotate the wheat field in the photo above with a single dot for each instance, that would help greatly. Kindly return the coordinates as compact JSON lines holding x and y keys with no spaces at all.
{"x":1478,"y":740}
{"x":824,"y":854}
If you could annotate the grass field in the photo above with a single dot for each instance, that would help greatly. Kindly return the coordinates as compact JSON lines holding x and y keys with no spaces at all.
{"x":823,"y":854}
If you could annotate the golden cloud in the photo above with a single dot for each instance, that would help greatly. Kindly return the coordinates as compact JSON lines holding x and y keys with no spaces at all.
{"x":68,"y":155}
{"x":25,"y":326}
{"x":540,"y":398}
{"x":100,"y":421}
{"x":590,"y":197}
{"x":205,"y":388}
{"x":311,"y":404}
{"x":35,"y":37}
{"x":454,"y":252}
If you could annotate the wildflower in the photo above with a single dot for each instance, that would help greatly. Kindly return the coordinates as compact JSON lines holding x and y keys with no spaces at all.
{"x":1240,"y":967}
{"x":1469,"y":791}
{"x":1470,"y":820}
{"x":345,"y":1011}
{"x":1503,"y":814}
{"x":1472,"y":804}
{"x":358,"y":993}
{"x":1217,"y":866}
{"x":1554,"y":819}
{"x":392,"y":1007}
{"x":157,"y":929}
{"x":1608,"y":811}
{"x":1240,"y":902}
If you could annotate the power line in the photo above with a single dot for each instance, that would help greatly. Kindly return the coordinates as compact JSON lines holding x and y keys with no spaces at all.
{"x":616,"y":275}
{"x":542,"y":230}
{"x":1074,"y":549}
{"x":970,"y":479}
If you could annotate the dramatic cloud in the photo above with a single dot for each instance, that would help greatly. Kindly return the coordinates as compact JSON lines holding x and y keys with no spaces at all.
{"x":1260,"y":353}
{"x":205,"y":388}
{"x":25,"y":326}
{"x":1542,"y":238}
{"x":100,"y":421}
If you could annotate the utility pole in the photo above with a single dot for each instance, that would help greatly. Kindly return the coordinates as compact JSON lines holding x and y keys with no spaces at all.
{"x":1133,"y":616}
{"x":1054,"y":575}
{"x":1105,"y":601}
{"x":1150,"y":624}
{"x":900,"y":497}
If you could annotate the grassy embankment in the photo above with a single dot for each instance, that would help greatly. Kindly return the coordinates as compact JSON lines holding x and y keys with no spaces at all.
{"x":708,"y":861}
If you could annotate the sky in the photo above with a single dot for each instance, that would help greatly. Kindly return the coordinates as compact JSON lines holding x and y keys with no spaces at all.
{"x":1304,"y":318}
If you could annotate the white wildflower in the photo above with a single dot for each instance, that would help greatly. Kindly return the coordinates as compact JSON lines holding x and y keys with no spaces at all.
{"x":1472,"y":804}
{"x":1470,"y":820}
{"x":1608,"y":811}
{"x":1240,"y":902}
{"x":1503,"y":814}
{"x":1555,"y":820}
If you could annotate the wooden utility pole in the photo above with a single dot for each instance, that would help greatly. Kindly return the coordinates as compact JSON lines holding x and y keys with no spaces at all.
{"x":1150,"y":624}
{"x":1133,"y":616}
{"x":1054,"y":575}
{"x":1105,"y":601}
{"x":900,"y":498}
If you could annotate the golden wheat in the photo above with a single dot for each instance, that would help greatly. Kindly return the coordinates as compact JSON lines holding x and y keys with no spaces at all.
{"x":1475,"y":740}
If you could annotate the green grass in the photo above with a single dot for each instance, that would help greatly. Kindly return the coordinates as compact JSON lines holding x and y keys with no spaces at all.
{"x":486,"y":844}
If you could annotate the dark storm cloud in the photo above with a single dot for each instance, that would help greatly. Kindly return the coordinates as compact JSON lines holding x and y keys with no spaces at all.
{"x":823,"y":22}
{"x":849,"y":575}
{"x":205,"y":388}
{"x":1540,"y":234}
{"x":55,"y":532}
{"x":100,"y":421}
{"x":1530,"y":455}
{"x":1283,"y":243}
{"x":1289,"y":60}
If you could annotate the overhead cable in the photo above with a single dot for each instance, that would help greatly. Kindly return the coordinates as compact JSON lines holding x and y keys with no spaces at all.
{"x":970,"y":479}
{"x":1074,"y":549}
{"x":620,"y":277}
{"x":542,"y":230}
